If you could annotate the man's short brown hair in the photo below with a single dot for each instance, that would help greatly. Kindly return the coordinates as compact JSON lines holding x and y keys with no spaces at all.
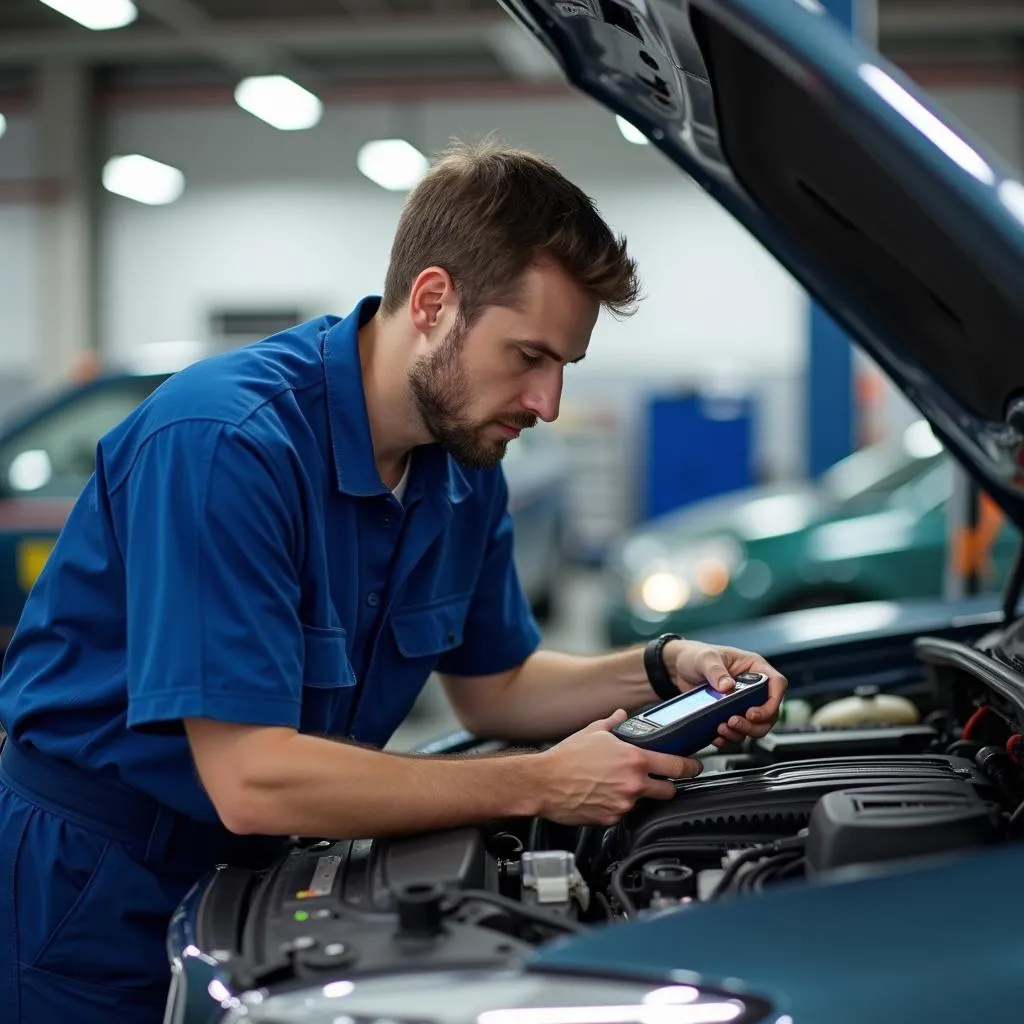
{"x":486,"y":213}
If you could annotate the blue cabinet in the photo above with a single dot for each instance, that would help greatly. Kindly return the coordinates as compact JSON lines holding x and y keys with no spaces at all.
{"x":696,"y":446}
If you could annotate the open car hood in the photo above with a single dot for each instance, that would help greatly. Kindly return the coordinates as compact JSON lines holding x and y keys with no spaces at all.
{"x":907,"y":230}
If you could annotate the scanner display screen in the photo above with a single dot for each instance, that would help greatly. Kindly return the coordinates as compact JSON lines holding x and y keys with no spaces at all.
{"x":681,"y":708}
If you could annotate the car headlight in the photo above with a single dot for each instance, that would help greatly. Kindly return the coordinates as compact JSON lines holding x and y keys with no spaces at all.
{"x":691,"y":576}
{"x":496,"y":997}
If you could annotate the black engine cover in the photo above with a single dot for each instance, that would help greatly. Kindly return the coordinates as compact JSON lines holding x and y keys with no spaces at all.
{"x":338,"y":905}
{"x":761,"y":804}
{"x":887,"y":823}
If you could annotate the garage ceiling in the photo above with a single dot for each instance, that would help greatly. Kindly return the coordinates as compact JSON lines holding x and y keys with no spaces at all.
{"x":200,"y":47}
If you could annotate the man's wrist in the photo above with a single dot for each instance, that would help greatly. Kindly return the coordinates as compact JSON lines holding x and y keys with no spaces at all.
{"x":659,"y":661}
{"x":533,"y":783}
{"x":670,"y":657}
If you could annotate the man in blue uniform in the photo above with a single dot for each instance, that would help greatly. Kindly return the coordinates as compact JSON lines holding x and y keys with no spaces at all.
{"x":273,"y":554}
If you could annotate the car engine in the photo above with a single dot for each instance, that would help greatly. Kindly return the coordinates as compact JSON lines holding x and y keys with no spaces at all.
{"x":881,"y":783}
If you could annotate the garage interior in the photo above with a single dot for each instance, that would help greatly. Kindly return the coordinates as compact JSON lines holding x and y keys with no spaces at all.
{"x":184,"y":179}
{"x":727,"y":382}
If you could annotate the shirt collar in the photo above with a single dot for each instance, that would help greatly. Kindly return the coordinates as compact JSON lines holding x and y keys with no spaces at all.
{"x":355,"y":467}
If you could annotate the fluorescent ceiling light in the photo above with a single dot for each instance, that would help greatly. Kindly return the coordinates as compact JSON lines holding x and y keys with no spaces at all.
{"x":392,"y":163}
{"x":279,"y":101}
{"x":3,"y":124}
{"x":630,"y":132}
{"x":144,"y":180}
{"x":96,"y":14}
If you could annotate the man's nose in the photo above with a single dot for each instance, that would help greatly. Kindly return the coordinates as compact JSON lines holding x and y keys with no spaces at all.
{"x":543,"y":400}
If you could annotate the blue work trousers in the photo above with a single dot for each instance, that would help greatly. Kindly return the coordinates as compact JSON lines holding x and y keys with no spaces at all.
{"x":90,"y":874}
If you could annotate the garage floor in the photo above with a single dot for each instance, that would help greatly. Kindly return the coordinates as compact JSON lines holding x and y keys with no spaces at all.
{"x":574,"y":629}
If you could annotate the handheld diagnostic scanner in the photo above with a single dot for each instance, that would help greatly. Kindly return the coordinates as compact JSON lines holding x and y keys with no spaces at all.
{"x":689,"y":722}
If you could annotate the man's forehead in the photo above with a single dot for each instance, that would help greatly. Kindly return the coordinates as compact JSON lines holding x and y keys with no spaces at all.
{"x":561,"y":320}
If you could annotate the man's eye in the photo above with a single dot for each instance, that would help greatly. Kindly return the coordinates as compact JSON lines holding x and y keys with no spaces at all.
{"x":529,"y":358}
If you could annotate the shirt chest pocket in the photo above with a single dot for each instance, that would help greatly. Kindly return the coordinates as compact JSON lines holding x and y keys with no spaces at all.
{"x":328,"y":680}
{"x":419,"y":638}
{"x":427,"y":632}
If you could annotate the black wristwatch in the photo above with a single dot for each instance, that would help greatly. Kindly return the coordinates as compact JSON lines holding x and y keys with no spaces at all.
{"x":654,"y":665}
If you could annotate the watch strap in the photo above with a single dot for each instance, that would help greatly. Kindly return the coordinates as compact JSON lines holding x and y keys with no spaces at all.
{"x":658,"y":674}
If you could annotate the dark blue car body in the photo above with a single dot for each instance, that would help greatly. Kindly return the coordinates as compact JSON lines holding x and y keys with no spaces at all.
{"x":912,"y":235}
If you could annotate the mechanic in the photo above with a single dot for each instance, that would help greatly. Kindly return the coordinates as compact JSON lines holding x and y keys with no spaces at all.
{"x":275,"y":551}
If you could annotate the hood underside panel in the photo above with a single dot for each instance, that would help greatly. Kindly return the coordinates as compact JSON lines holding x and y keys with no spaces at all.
{"x":852,"y":216}
{"x":906,"y":230}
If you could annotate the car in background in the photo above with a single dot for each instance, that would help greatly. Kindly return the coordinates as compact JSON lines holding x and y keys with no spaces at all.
{"x":862,"y":869}
{"x":47,"y":453}
{"x":872,"y":528}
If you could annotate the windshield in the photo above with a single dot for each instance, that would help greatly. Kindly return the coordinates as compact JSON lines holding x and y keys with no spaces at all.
{"x":54,"y":455}
{"x":881,"y":468}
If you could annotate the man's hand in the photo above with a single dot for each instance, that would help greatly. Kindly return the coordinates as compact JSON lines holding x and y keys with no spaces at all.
{"x":695,"y":664}
{"x":594,"y":778}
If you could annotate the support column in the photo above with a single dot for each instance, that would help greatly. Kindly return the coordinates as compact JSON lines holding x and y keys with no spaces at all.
{"x":67,"y":229}
{"x":830,"y":410}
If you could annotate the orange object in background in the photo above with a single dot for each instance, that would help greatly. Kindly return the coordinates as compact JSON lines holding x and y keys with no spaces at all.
{"x":84,"y":367}
{"x":869,"y":389}
{"x":972,"y":546}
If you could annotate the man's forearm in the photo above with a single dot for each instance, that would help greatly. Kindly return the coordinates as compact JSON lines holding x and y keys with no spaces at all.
{"x":553,"y":694}
{"x":306,"y":785}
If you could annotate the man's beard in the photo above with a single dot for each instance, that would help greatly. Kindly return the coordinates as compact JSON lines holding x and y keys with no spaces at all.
{"x":441,"y":390}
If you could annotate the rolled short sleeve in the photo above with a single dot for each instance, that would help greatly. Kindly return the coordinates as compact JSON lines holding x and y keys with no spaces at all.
{"x":209,"y":539}
{"x":500,"y":630}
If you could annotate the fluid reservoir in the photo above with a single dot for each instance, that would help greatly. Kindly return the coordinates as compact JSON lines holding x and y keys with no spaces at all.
{"x":866,"y":706}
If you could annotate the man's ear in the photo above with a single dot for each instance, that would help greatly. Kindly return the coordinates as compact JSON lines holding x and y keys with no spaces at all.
{"x":432,"y":300}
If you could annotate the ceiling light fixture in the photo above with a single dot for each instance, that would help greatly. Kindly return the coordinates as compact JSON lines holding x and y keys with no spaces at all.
{"x":142,"y":179}
{"x":279,"y":101}
{"x":393,"y":164}
{"x":3,"y":124}
{"x":98,"y":15}
{"x":630,"y":132}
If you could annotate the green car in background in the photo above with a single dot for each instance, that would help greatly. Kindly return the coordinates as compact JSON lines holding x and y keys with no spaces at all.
{"x":873,"y":527}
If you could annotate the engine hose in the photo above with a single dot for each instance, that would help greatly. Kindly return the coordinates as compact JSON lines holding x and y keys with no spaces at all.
{"x":972,"y":723}
{"x":601,"y":901}
{"x":517,"y":909}
{"x":1003,"y":771}
{"x":772,"y":868}
{"x":536,"y":835}
{"x":795,"y":866}
{"x":755,"y":853}
{"x":588,"y":844}
{"x":964,"y":748}
{"x":634,"y":860}
{"x":1015,"y":748}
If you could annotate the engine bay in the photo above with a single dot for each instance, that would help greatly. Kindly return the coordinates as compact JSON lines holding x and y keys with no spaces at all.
{"x":870,"y":781}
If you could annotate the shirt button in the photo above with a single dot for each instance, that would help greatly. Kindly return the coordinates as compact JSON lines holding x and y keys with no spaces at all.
{"x":373,"y":600}
{"x":386,"y":520}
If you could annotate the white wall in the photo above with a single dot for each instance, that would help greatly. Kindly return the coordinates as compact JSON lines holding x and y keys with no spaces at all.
{"x":270,"y":216}
{"x":19,"y":306}
{"x":273,"y":217}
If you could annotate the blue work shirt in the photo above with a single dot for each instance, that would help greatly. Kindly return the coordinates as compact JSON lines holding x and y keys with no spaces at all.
{"x":236,"y":557}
